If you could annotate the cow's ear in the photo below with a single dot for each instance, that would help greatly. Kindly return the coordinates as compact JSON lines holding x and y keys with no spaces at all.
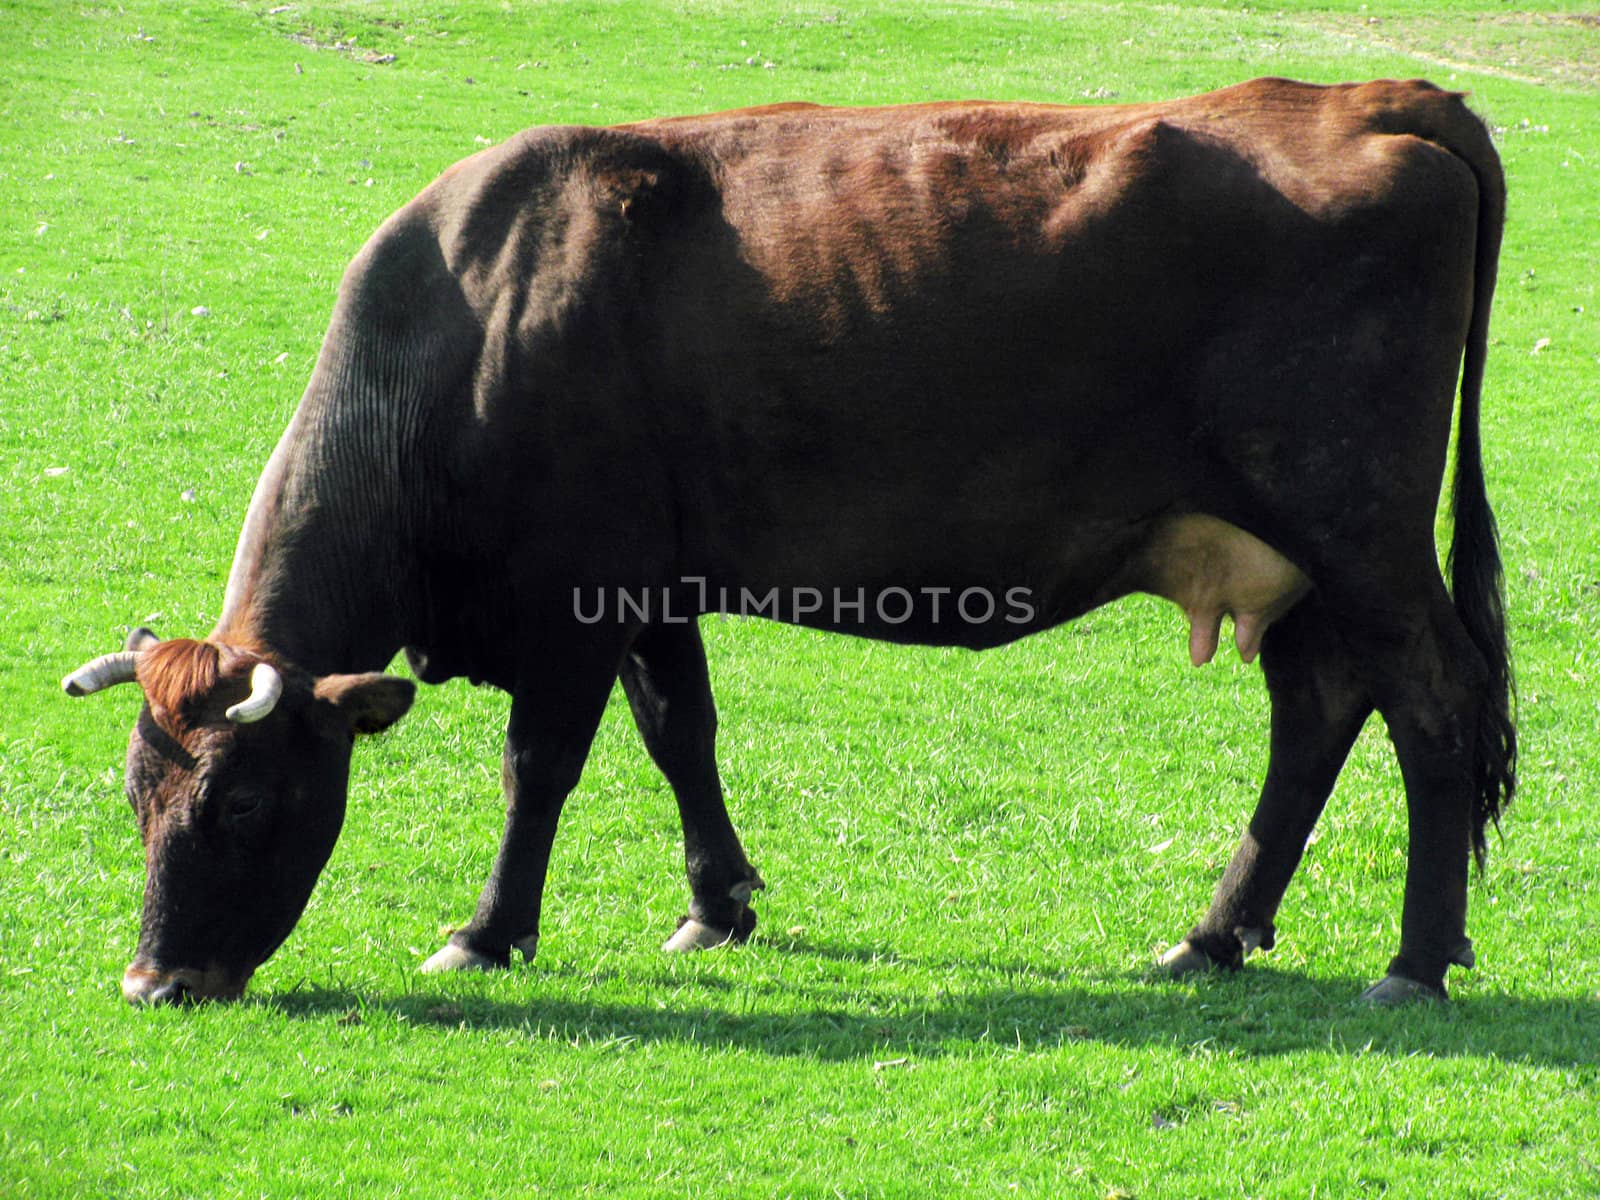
{"x":140,"y":640}
{"x":369,"y":703}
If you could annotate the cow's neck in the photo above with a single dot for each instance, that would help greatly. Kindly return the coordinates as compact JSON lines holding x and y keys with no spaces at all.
{"x":320,"y":576}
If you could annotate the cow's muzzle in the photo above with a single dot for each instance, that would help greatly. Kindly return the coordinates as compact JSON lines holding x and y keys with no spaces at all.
{"x":144,"y":984}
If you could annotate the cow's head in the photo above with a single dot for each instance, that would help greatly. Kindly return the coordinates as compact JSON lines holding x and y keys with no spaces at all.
{"x":237,"y":771}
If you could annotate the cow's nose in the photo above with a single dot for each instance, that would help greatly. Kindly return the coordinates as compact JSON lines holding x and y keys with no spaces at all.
{"x":170,"y":991}
{"x":141,"y":985}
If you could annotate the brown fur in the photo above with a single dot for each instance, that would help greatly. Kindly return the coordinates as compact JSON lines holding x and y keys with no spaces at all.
{"x":181,"y":678}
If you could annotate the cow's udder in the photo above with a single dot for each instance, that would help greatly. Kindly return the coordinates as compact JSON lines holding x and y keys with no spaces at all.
{"x":1210,"y":568}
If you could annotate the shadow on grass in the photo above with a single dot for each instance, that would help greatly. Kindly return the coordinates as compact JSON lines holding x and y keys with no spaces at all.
{"x":1257,"y":1012}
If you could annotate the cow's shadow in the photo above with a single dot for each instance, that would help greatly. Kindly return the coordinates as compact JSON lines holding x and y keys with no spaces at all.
{"x":1262,"y":1011}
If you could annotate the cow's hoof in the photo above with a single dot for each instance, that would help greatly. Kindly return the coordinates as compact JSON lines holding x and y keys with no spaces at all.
{"x":1394,"y":990}
{"x":697,"y":935}
{"x":1187,"y":959}
{"x":451,"y":957}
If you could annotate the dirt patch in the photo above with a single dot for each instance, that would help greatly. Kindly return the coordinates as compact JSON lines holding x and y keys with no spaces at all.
{"x":342,"y":47}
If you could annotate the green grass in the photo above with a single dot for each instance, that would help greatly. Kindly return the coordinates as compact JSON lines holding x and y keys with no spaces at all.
{"x":971,"y":859}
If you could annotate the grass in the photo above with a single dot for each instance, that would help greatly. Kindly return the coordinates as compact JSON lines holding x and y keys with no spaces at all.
{"x":971,"y":858}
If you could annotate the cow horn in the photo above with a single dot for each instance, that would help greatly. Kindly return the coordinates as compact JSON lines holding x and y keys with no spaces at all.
{"x":103,"y":672}
{"x":266,"y":685}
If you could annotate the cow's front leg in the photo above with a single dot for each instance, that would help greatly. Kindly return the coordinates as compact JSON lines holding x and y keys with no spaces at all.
{"x":555,"y":711}
{"x":664,"y":675}
{"x":1318,"y":708}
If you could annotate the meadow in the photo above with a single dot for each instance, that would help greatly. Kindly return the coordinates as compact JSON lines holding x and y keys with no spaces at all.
{"x":971,"y":860}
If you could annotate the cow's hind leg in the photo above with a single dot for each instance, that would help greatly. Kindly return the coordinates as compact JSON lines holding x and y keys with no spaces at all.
{"x":555,"y":709}
{"x":1432,"y":689}
{"x":664,"y":675}
{"x":1318,"y":708}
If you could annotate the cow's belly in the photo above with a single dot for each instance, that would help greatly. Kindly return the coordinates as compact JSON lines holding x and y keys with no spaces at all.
{"x":960,"y":593}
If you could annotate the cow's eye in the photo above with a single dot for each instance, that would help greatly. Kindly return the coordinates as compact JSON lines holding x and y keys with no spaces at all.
{"x":245,"y":804}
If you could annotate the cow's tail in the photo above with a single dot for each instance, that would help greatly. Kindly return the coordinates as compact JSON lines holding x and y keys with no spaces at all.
{"x":1476,"y":578}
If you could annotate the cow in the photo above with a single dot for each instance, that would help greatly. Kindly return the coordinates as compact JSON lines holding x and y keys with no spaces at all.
{"x":948,"y":374}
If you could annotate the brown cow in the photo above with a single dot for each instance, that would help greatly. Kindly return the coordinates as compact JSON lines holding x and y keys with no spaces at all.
{"x":949,"y":374}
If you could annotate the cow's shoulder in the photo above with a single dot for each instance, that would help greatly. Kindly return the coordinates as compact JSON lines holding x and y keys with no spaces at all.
{"x":504,"y":208}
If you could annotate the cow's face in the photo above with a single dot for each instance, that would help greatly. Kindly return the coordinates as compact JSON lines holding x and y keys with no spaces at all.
{"x":237,"y":772}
